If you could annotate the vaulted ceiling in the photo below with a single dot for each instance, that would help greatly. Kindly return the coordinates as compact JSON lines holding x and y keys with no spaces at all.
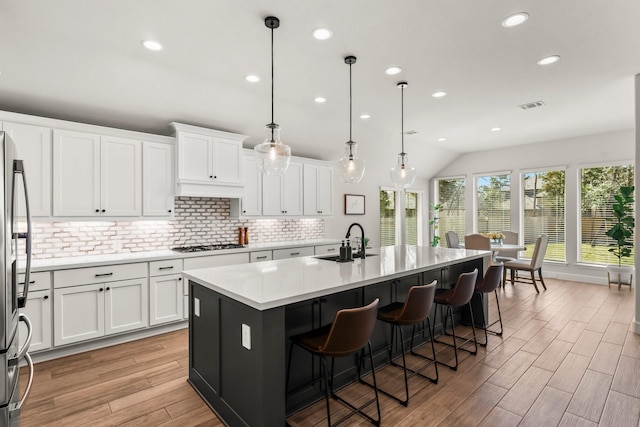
{"x":82,"y":60}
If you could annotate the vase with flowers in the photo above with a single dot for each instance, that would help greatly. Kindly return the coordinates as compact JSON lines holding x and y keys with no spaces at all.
{"x":496,"y":238}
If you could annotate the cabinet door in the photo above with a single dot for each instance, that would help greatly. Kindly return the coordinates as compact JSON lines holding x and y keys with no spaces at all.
{"x":292,"y":190}
{"x":324,"y":190}
{"x":33,"y":144}
{"x":227,"y":161}
{"x":158,"y":182}
{"x":252,"y":200}
{"x":121,"y":176}
{"x":78,"y":314}
{"x":166,"y":299}
{"x":126,"y":305}
{"x":195,"y":154}
{"x":76,"y":174}
{"x":38,"y":310}
{"x":310,"y":194}
{"x":272,"y":195}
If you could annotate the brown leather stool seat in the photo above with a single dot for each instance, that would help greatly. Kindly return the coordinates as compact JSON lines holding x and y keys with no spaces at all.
{"x":491,"y":283}
{"x":459,"y":295}
{"x":349,"y":333}
{"x":413,"y":311}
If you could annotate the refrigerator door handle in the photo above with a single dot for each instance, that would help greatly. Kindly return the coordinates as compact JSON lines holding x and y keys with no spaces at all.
{"x":14,"y":409}
{"x":18,"y":168}
{"x":27,"y":343}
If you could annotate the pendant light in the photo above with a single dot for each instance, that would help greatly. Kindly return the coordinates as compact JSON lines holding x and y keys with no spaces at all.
{"x":272,"y":156}
{"x":403,"y":175}
{"x":350,"y":166}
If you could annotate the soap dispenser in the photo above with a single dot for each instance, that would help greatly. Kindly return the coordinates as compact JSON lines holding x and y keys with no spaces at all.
{"x":343,"y":252}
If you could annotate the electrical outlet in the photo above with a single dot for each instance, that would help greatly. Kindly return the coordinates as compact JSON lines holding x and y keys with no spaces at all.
{"x":246,"y":336}
{"x":196,"y":306}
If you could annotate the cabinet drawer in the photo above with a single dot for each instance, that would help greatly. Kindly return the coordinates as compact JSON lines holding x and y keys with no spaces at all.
{"x":109,"y":273}
{"x":327,"y":249}
{"x":215,"y":260}
{"x":160,"y":268}
{"x":261,"y":256}
{"x":38,"y":281}
{"x":293,"y":252}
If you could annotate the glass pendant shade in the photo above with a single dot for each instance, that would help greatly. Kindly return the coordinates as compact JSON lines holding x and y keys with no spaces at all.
{"x":350,"y":166}
{"x":272,"y":156}
{"x":403,"y":175}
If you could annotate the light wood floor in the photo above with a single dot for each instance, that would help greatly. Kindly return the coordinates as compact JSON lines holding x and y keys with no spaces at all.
{"x":567,"y":357}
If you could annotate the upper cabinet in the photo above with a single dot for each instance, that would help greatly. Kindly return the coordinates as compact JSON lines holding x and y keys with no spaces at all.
{"x":33,"y":144}
{"x":251,"y":203}
{"x":158,"y":181}
{"x":96,"y":175}
{"x":282,"y":195}
{"x":209,"y":162}
{"x":318,"y":190}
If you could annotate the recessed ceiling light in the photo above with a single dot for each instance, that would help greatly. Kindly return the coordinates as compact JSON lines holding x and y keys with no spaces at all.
{"x":322,"y":33}
{"x":549,"y":60}
{"x":439,"y":94}
{"x":442,"y":139}
{"x":365,"y":116}
{"x":151,"y":45}
{"x":320,"y":99}
{"x":515,"y":19}
{"x":393,"y":70}
{"x":252,"y":78}
{"x":496,"y":129}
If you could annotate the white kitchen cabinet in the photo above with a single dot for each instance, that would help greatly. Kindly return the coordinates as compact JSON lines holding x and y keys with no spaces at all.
{"x":327,"y":249}
{"x":158,"y":181}
{"x":215,"y":260}
{"x":78,"y":313}
{"x":209,"y":162}
{"x":126,"y":305}
{"x":166,"y":299}
{"x":293,"y":252}
{"x":166,"y":290}
{"x":282,"y":195}
{"x":33,"y":145}
{"x":251,"y":202}
{"x":318,"y":190}
{"x":96,"y":301}
{"x":96,"y":175}
{"x":261,"y":256}
{"x":38,"y":310}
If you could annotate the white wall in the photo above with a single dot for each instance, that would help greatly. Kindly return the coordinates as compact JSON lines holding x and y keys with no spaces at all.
{"x":570,"y":154}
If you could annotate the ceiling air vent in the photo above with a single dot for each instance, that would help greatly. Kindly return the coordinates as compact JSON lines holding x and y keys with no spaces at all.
{"x":530,"y":105}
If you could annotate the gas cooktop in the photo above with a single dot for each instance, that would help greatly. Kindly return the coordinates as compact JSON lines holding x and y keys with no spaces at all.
{"x":202,"y":248}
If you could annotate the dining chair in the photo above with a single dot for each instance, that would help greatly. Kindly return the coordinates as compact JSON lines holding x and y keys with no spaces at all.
{"x":532,"y":266}
{"x":452,"y":239}
{"x":511,"y":238}
{"x":478,"y":242}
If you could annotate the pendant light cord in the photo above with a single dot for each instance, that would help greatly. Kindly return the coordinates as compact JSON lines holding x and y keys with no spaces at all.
{"x":402,"y":119}
{"x":273,"y":125}
{"x":350,"y":112}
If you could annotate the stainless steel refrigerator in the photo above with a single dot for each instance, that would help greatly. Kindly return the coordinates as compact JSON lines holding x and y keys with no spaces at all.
{"x":13,"y":295}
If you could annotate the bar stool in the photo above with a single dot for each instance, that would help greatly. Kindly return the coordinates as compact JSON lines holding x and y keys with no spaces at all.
{"x":490,"y":283}
{"x":413,"y":311}
{"x":349,"y":333}
{"x":459,"y":295}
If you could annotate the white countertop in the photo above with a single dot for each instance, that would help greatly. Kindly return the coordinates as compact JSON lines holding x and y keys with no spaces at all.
{"x":272,"y":284}
{"x":122,"y":258}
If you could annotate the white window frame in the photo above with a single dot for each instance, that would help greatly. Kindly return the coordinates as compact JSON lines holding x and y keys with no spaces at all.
{"x":400,"y":222}
{"x":474,"y":202}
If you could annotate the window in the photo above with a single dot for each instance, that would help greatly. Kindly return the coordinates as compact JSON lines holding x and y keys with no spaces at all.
{"x":450,"y":195}
{"x":388,"y":204}
{"x":493,"y":201}
{"x":598,"y":185}
{"x":543,"y":212}
{"x":391,"y":217}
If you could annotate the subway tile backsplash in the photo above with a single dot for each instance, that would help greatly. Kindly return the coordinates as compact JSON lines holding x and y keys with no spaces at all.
{"x":197,"y":221}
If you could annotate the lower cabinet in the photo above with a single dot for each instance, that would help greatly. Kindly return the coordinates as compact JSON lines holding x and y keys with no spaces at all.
{"x":92,"y":311}
{"x":166,"y":299}
{"x":293,"y":252}
{"x":38,"y":310}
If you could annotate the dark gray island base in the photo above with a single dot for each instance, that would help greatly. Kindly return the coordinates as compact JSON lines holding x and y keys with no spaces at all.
{"x":238,"y":353}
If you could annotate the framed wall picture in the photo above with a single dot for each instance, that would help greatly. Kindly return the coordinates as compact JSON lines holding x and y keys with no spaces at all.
{"x":354,"y":204}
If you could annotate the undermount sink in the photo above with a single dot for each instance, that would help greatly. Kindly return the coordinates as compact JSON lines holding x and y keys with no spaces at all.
{"x":337,"y":257}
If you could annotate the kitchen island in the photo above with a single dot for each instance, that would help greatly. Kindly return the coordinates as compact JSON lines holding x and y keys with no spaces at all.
{"x":241,"y":318}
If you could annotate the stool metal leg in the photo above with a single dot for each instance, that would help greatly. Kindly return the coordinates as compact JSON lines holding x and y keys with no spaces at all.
{"x":454,"y":336}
